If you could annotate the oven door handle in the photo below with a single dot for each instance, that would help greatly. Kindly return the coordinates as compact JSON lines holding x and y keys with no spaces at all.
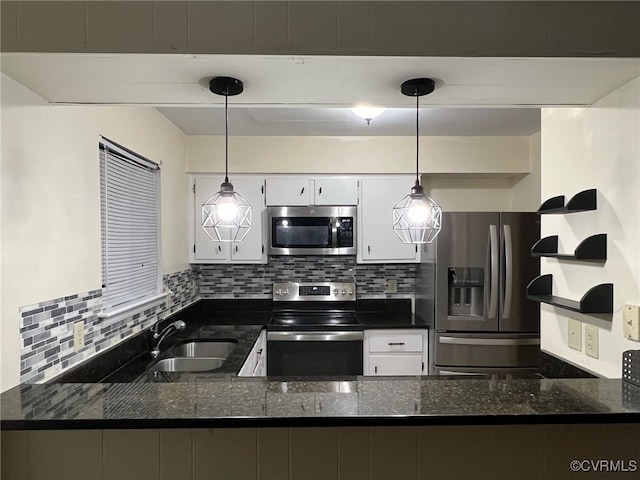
{"x":298,"y":336}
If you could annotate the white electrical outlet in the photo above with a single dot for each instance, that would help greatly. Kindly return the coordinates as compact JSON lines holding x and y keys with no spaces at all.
{"x":575,"y":334}
{"x":392,"y":286}
{"x":591,"y":341}
{"x":78,"y":336}
{"x":631,"y":322}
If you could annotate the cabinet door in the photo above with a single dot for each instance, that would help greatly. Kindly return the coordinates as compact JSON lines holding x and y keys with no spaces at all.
{"x":260,"y":369}
{"x":336,"y":191}
{"x":395,"y":364}
{"x":251,"y":249}
{"x":288,"y":191}
{"x":206,"y":249}
{"x":255,"y":362}
{"x":378,"y":242}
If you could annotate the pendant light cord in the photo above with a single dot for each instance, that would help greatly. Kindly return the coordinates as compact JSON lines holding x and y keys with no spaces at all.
{"x":417,"y":138}
{"x":226,"y":138}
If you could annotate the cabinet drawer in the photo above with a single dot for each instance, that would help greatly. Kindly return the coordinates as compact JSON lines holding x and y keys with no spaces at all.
{"x":410,"y":364}
{"x":401,"y":342}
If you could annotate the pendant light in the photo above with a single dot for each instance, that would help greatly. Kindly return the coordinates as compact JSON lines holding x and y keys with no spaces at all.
{"x":226,"y":216}
{"x":417,"y":218}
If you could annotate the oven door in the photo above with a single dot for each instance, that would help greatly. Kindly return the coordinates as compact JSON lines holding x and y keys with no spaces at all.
{"x":309,"y":353}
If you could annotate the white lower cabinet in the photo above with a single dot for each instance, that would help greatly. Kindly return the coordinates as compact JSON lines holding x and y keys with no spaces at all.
{"x":395,"y":352}
{"x":256,"y":363}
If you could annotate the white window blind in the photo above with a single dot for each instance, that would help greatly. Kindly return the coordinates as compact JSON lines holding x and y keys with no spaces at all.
{"x":130,"y":197}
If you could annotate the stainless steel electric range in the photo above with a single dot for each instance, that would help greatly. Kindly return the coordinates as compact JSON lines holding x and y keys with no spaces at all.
{"x":314,"y":330}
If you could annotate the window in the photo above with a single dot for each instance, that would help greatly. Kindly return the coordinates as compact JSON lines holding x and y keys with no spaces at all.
{"x":130,"y":199}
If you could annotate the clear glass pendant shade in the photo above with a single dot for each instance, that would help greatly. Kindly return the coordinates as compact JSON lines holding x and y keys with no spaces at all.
{"x":226,"y":216}
{"x":417,"y":218}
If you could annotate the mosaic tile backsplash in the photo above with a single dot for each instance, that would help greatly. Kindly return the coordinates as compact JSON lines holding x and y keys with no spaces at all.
{"x":243,"y":281}
{"x":46,"y":328}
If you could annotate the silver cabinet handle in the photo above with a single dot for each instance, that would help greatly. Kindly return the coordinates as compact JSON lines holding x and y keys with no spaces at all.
{"x":493,"y":297}
{"x":508,"y":264}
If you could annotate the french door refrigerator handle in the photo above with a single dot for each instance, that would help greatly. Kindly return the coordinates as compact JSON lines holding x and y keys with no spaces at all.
{"x":495,"y":277}
{"x":488,"y":341}
{"x":508,"y":263}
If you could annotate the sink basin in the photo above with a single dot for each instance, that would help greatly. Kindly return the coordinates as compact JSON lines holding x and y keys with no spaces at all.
{"x":185,"y":364}
{"x":203,"y":349}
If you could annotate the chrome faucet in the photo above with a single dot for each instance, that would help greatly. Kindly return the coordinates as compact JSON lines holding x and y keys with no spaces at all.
{"x":177,"y":325}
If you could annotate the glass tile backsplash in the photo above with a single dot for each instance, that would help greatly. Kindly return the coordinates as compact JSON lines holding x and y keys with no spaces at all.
{"x":46,"y":328}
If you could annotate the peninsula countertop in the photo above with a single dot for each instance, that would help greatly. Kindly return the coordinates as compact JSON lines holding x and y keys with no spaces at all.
{"x":271,"y":401}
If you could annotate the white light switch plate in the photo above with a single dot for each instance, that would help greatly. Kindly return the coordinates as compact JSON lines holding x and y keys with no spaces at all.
{"x":575,"y":334}
{"x":391,"y":287}
{"x":591,"y":341}
{"x":631,"y":322}
{"x":78,"y":336}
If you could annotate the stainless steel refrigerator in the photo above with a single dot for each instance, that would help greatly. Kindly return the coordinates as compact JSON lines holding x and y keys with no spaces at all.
{"x":484,"y":323}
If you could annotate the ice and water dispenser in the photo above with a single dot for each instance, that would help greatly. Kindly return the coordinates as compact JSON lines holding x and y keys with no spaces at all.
{"x":466,"y":291}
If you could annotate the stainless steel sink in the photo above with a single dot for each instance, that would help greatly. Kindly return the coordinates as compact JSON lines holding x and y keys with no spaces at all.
{"x":203,"y":349}
{"x":185,"y":364}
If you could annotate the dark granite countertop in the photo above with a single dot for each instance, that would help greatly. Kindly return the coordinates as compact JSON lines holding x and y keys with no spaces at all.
{"x":391,"y":320}
{"x":242,"y":402}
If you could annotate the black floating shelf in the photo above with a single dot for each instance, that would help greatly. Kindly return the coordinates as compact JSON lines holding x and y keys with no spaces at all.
{"x":580,"y":202}
{"x":598,"y":299}
{"x":592,"y":249}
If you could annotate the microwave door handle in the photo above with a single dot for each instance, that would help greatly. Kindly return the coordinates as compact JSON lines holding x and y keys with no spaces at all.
{"x":334,"y":232}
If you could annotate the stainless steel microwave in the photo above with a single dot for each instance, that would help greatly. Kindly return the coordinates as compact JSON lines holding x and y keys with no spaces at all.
{"x":312,"y":230}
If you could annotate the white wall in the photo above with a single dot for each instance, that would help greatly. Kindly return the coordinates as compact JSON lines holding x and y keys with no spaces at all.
{"x":51,"y":199}
{"x":597,"y":147}
{"x":438,"y":155}
{"x":461,"y":173}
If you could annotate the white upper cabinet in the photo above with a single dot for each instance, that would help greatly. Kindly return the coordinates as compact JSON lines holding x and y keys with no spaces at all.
{"x":295,"y":191}
{"x":336,"y":191}
{"x":377,"y":242}
{"x":251,"y":249}
{"x":289,"y":191}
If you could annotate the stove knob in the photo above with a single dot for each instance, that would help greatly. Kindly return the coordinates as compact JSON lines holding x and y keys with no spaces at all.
{"x":335,"y":292}
{"x":286,"y":291}
{"x":343,"y":292}
{"x":278,"y":292}
{"x":350,"y":291}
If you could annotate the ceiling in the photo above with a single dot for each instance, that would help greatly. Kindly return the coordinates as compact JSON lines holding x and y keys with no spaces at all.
{"x":312,"y":95}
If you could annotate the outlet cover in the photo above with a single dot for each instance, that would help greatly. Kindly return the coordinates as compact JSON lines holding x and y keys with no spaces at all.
{"x":392,"y":286}
{"x":575,"y":334}
{"x":78,"y":336}
{"x":591,"y":341}
{"x":631,"y":322}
